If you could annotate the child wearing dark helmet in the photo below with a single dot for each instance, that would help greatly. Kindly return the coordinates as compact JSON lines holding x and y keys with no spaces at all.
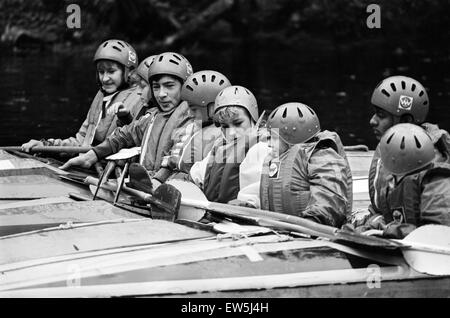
{"x":236,"y":112}
{"x":114,"y":105}
{"x":396,"y":100}
{"x":306,"y":172}
{"x":160,"y":129}
{"x":419,"y":192}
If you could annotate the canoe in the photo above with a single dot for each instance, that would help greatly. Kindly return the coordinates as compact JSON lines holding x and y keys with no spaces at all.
{"x":158,"y":258}
{"x":33,"y":196}
{"x":54,"y":246}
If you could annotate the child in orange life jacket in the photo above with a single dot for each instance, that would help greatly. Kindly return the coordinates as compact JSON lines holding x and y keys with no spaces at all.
{"x":236,"y":111}
{"x":419,"y":193}
{"x":200,"y":91}
{"x":114,"y":60}
{"x":160,"y":129}
{"x":305,"y":171}
{"x":397,"y":99}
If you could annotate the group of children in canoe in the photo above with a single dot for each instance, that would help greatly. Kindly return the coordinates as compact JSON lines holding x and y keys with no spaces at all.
{"x":202,"y":128}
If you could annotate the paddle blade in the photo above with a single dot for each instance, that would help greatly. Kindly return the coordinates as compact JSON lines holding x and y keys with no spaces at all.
{"x":102,"y":193}
{"x":125,"y":153}
{"x":189,"y":191}
{"x":170,"y":195}
{"x":429,"y":249}
{"x":139,"y":178}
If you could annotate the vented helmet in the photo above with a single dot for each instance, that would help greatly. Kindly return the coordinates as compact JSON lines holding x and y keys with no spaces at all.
{"x":399,"y":95}
{"x":296,"y":122}
{"x":237,"y":96}
{"x":118,"y":51}
{"x":405,"y":148}
{"x":201,"y":88}
{"x":170,"y":63}
{"x":142,"y":69}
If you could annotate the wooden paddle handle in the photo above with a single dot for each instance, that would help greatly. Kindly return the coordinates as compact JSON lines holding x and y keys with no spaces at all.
{"x":50,"y":149}
{"x":112,"y":187}
{"x":325,"y":229}
{"x":148,"y":198}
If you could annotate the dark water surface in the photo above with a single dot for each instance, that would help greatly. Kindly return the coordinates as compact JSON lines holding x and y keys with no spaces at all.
{"x":47,"y":94}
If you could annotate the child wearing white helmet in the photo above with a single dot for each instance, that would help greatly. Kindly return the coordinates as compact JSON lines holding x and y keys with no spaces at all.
{"x":200,"y":91}
{"x":236,"y":112}
{"x":160,"y":129}
{"x":114,"y":105}
{"x":419,"y":193}
{"x":139,"y":78}
{"x":305,"y":173}
{"x":397,"y":99}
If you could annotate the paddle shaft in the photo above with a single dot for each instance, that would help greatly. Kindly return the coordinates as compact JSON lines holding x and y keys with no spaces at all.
{"x":50,"y":149}
{"x":234,"y":210}
{"x":148,"y":198}
{"x":302,"y":225}
{"x":424,"y":247}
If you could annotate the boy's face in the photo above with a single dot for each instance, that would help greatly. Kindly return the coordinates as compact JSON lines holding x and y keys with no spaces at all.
{"x":236,"y":126}
{"x":200,"y":113}
{"x":110,"y":75}
{"x":167,"y":92}
{"x":381,"y":121}
{"x":277,"y":145}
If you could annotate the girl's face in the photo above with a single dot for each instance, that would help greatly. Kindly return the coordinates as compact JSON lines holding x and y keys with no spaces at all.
{"x":237,"y":125}
{"x":110,"y":75}
{"x":167,"y":92}
{"x":381,"y":121}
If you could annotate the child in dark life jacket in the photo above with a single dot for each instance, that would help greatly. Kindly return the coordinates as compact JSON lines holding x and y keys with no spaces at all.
{"x":160,"y":129}
{"x":419,"y":193}
{"x":305,"y":172}
{"x":236,"y":111}
{"x":115,"y":104}
{"x":200,"y":91}
{"x":397,"y":99}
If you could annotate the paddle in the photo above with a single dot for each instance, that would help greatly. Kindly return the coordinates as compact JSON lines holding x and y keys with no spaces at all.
{"x":123,"y":154}
{"x":165,"y":197}
{"x":50,"y":149}
{"x":305,"y":226}
{"x":426,"y":250}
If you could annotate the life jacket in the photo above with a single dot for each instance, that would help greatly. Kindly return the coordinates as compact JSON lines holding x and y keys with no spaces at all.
{"x":158,"y":136}
{"x":441,"y":141}
{"x":278,"y":192}
{"x":221,"y":183}
{"x":404,"y":199}
{"x":380,"y":179}
{"x":101,"y":126}
{"x":198,"y":147}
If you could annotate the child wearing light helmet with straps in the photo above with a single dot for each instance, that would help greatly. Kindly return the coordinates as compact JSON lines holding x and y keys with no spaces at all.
{"x":200,"y":91}
{"x":305,"y":173}
{"x":236,"y":112}
{"x":396,"y":99}
{"x":139,"y":77}
{"x":160,"y":129}
{"x":419,"y":193}
{"x":114,"y":105}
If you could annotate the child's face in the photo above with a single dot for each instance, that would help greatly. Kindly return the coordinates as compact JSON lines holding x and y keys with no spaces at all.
{"x":200,"y":113}
{"x":277,"y":145}
{"x":236,"y":126}
{"x":110,"y":75}
{"x":167,"y":92}
{"x":381,"y":121}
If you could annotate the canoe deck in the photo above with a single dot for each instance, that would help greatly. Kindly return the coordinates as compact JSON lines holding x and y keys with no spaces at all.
{"x":44,"y":233}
